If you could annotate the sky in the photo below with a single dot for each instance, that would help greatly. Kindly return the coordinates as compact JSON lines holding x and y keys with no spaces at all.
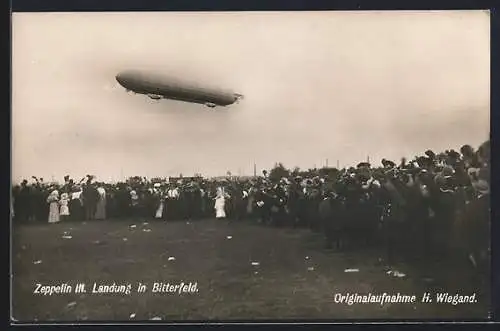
{"x":319,"y":87}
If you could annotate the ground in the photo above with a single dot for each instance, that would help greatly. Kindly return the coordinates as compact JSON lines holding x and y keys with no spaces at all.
{"x":243,"y":271}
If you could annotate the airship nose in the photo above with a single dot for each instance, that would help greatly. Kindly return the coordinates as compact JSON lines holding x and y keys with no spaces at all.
{"x":126,"y":78}
{"x":120,"y":78}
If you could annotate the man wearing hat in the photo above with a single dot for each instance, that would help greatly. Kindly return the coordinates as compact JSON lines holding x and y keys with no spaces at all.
{"x":477,"y":222}
{"x":484,"y":154}
{"x":238,"y":201}
{"x":40,"y":207}
{"x":263,"y":201}
{"x":279,"y":202}
{"x":90,"y":199}
{"x":68,"y":183}
{"x":430,"y":154}
{"x":452,"y":158}
{"x":196,"y":200}
{"x":388,"y":164}
{"x":206,"y":209}
{"x":76,"y":204}
{"x":122,"y":200}
{"x":23,"y":203}
{"x":294,"y":201}
{"x":365,"y":165}
{"x":172,"y":201}
{"x":445,"y":207}
{"x":325,"y":213}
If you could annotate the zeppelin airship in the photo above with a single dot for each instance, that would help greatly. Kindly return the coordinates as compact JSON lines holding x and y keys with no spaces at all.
{"x":159,"y":87}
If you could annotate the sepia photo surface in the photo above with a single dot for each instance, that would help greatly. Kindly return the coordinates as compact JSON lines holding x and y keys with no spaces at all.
{"x":250,"y":166}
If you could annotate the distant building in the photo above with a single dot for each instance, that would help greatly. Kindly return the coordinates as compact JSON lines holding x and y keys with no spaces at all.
{"x":233,"y":178}
{"x":183,"y":179}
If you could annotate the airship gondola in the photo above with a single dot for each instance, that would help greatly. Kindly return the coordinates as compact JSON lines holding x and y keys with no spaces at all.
{"x":159,"y":87}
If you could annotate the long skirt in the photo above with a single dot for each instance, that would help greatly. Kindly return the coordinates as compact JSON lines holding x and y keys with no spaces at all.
{"x":100,"y":212}
{"x":159,"y":210}
{"x":76,"y":210}
{"x":90,"y":210}
{"x":54,"y":212}
{"x":171,"y":206}
{"x":220,"y":211}
{"x":250,"y":203}
{"x":64,"y":211}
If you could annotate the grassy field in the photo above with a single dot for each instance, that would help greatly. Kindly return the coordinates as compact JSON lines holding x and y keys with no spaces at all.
{"x":243,"y":271}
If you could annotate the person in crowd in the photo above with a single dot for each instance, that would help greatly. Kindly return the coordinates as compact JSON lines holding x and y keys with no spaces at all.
{"x":23,"y":203}
{"x":76,"y":204}
{"x":220,"y":204}
{"x":90,"y":199}
{"x":40,"y":206}
{"x":100,"y":213}
{"x":196,"y":200}
{"x":53,"y":201}
{"x":250,"y":207}
{"x":64,"y":209}
{"x":159,"y":200}
{"x":134,"y":204}
{"x":173,"y":198}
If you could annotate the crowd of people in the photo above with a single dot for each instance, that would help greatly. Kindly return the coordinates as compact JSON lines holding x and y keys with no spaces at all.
{"x":432,"y":204}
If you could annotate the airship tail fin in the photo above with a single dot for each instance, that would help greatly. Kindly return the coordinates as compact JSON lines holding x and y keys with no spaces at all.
{"x":238,"y":97}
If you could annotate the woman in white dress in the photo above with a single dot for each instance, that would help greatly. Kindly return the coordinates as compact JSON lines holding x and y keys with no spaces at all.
{"x":161,"y":197}
{"x":64,"y":211}
{"x":53,"y":201}
{"x":134,"y":204}
{"x":100,"y":213}
{"x":220,"y":202}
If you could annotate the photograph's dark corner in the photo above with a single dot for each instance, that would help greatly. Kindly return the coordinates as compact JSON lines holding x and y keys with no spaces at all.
{"x":257,"y":166}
